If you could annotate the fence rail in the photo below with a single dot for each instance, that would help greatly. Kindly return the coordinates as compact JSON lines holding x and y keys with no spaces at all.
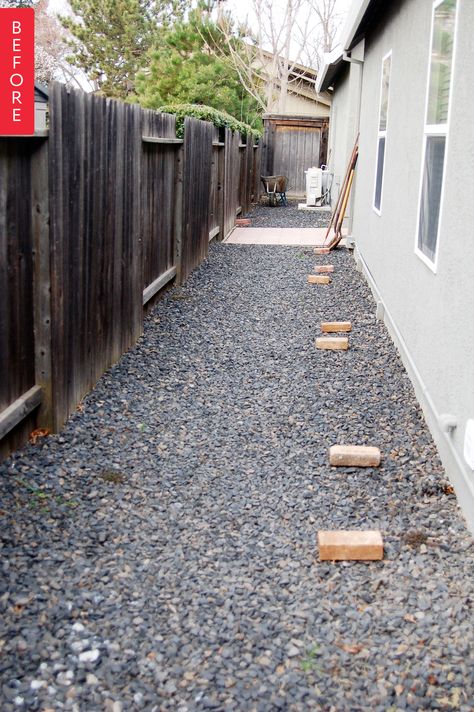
{"x":96,"y":217}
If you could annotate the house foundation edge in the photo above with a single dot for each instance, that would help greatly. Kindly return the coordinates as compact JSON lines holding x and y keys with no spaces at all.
{"x":456,"y":471}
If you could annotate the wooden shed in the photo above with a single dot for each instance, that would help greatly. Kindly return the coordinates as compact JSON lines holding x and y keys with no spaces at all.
{"x":291,"y":145}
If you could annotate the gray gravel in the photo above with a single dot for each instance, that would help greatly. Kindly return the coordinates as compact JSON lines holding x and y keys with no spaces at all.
{"x":263,"y":215}
{"x":159,"y":554}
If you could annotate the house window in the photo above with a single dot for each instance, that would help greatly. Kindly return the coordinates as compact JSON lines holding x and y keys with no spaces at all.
{"x":436,"y":129}
{"x":382,"y":132}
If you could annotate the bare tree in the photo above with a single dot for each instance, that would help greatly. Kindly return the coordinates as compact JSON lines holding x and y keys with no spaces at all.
{"x":329,"y":17}
{"x":269,"y":49}
{"x":51,"y":48}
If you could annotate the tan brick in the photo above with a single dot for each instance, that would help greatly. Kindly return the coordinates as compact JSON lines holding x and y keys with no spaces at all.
{"x":354,"y":456}
{"x":336,"y":343}
{"x":243,"y":222}
{"x":322,"y":250}
{"x":330,"y":326}
{"x":318,"y":279}
{"x":344,"y":545}
{"x":324,"y":269}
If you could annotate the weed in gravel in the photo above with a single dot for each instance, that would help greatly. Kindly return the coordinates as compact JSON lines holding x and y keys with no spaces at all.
{"x":37,"y":495}
{"x":42,"y":501}
{"x":415,"y":538}
{"x":113,"y":476}
{"x":309,"y":662}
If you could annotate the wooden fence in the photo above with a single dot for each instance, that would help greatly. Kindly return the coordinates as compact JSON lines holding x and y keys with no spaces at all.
{"x":96,"y":217}
{"x":291,"y":145}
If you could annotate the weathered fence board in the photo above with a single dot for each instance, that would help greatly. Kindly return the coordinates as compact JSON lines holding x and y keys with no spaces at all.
{"x":256,"y":184}
{"x":96,"y":278}
{"x":16,"y":271}
{"x":198,"y":136}
{"x":42,"y":281}
{"x":158,"y":198}
{"x":231,"y":179}
{"x":96,"y":217}
{"x":246,"y":174}
{"x":217,"y":194}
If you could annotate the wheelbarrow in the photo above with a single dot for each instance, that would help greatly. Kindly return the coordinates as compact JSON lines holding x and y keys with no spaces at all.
{"x":275,"y":188}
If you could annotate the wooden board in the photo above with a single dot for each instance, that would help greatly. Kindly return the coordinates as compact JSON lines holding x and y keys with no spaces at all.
{"x":17,"y":342}
{"x":197,"y":172}
{"x":346,"y":545}
{"x":354,"y":456}
{"x":158,"y":195}
{"x":324,"y":269}
{"x":332,"y":343}
{"x":95,"y":150}
{"x":335,"y":326}
{"x":318,"y":279}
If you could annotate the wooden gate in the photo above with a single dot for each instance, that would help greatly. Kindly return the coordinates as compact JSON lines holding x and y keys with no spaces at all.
{"x":291,"y":145}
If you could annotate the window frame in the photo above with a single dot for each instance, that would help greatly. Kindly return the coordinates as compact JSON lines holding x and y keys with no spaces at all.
{"x":382,"y":134}
{"x":433,"y":130}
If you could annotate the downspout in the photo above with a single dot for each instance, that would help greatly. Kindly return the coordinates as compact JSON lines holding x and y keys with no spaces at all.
{"x":347,"y":57}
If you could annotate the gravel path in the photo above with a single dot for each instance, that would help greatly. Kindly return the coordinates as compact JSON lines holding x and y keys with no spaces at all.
{"x":286,"y":215}
{"x":159,"y":553}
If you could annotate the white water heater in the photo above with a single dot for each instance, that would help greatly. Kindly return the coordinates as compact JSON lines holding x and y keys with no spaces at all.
{"x":314,"y":185}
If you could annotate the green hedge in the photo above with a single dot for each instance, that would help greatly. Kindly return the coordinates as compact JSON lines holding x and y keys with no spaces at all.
{"x":221,"y":119}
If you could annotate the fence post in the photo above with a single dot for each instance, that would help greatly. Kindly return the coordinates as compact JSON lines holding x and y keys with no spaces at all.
{"x":178,"y":213}
{"x":257,"y":154}
{"x":221,"y":188}
{"x":228,"y":221}
{"x":42,"y":283}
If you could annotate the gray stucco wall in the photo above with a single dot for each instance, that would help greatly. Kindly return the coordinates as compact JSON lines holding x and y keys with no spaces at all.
{"x":433,"y":314}
{"x":343,"y":128}
{"x":338,"y":133}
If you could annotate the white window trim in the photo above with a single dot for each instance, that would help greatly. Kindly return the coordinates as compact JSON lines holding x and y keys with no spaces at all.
{"x":435,"y":130}
{"x":382,"y":134}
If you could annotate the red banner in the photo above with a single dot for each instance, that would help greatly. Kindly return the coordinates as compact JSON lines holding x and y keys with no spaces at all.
{"x":17,"y":71}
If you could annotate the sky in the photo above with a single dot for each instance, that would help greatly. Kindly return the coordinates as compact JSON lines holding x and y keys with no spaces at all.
{"x":241,"y":9}
{"x":57,"y":5}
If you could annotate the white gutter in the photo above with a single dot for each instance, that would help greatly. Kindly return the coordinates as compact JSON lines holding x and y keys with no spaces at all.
{"x":329,"y":58}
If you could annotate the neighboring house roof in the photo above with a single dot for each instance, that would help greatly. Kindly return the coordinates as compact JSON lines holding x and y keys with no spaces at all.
{"x":41,"y":93}
{"x":302,"y":81}
{"x":299,"y":69}
{"x":362,"y":15}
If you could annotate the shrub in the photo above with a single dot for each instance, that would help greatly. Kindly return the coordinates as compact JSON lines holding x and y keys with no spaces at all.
{"x":221,"y":119}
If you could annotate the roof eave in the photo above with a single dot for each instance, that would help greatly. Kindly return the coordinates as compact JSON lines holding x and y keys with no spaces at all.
{"x":329,"y":70}
{"x":355,"y":15}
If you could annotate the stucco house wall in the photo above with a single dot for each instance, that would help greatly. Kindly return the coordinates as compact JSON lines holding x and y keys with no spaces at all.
{"x":341,"y":134}
{"x":430,"y":314}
